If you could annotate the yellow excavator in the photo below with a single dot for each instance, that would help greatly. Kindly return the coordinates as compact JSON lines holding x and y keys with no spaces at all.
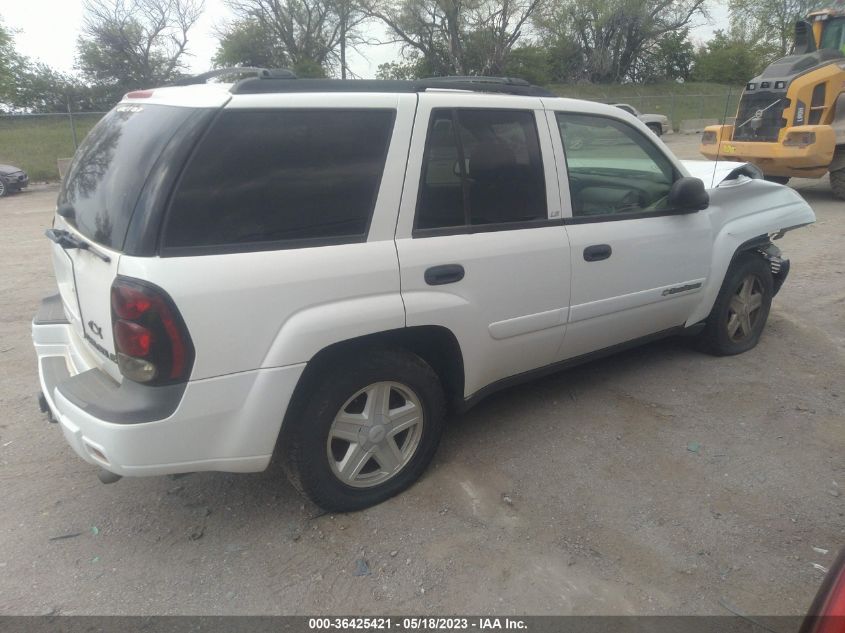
{"x":791,"y":118}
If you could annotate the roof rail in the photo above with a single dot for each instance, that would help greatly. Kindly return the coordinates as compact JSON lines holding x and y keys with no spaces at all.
{"x":265,"y":73}
{"x":500,"y":85}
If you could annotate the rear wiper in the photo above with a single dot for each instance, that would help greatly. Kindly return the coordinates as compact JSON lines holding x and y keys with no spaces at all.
{"x":67,"y":240}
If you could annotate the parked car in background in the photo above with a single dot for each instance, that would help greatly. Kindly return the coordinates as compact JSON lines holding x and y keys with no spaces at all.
{"x":657,"y":123}
{"x":12,"y":179}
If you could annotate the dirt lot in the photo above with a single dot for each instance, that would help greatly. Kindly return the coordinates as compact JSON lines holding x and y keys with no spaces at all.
{"x":577,"y":494}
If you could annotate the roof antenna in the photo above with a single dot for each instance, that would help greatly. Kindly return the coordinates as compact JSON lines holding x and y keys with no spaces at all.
{"x":719,"y":139}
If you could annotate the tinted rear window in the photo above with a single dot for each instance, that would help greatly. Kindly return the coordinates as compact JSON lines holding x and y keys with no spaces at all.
{"x":110,"y":167}
{"x":284,"y":178}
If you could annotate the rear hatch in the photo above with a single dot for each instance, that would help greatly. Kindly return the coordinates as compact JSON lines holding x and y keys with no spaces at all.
{"x":103,"y":187}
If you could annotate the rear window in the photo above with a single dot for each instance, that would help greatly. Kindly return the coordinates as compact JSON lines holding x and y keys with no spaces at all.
{"x":110,"y":167}
{"x":262,"y":180}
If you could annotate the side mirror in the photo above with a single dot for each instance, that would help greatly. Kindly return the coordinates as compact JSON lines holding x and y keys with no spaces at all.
{"x":688,"y":195}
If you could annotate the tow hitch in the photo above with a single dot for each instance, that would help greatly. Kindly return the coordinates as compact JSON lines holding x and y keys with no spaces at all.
{"x":45,"y":408}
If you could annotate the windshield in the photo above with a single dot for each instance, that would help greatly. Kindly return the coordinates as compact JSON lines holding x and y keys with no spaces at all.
{"x":110,"y":167}
{"x":833,"y":36}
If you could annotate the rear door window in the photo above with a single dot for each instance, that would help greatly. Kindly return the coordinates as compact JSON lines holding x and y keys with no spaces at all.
{"x":111,"y":166}
{"x":482,"y":170}
{"x":268,"y":179}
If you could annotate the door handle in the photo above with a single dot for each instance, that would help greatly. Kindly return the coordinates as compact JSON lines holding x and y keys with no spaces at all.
{"x":597,"y":252}
{"x":446,"y":274}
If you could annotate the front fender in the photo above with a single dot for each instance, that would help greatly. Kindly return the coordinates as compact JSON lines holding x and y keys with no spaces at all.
{"x":740,"y":213}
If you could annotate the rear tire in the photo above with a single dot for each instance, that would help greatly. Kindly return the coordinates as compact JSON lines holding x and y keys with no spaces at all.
{"x":741,"y":309}
{"x":656,"y":128}
{"x":3,"y":189}
{"x":368,"y":430}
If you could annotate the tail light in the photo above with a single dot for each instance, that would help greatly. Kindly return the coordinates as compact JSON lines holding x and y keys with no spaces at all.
{"x":827,"y":615}
{"x":150,"y":337}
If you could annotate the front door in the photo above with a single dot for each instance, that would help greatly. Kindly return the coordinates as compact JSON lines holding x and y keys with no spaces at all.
{"x":637,"y":266}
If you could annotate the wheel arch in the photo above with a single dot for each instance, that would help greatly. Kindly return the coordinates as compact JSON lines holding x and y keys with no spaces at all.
{"x":719,"y":270}
{"x":436,"y":345}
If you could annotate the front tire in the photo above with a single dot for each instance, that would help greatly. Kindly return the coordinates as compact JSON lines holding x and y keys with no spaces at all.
{"x":370,"y":427}
{"x":656,"y":128}
{"x":3,"y":189}
{"x":741,"y":309}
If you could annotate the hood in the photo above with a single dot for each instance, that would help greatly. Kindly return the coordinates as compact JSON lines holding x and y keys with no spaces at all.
{"x":715,"y":173}
{"x":9,"y":169}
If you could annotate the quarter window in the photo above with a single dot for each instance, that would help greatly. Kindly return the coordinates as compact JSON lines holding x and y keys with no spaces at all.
{"x":283,"y":178}
{"x":482,"y":170}
{"x":613,"y":169}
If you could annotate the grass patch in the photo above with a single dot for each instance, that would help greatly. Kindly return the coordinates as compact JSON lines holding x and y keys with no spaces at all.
{"x":677,"y":101}
{"x":33,"y":143}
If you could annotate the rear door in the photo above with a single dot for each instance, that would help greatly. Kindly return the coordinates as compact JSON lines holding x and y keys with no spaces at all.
{"x":95,"y":207}
{"x":482,"y":249}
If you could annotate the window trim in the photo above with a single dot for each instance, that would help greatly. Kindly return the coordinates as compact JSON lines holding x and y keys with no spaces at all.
{"x":270,"y":245}
{"x":468,"y":228}
{"x":612,"y":217}
{"x":615,"y":217}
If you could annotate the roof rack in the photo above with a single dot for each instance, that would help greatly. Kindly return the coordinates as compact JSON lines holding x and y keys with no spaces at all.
{"x":263,"y":73}
{"x":261,"y":84}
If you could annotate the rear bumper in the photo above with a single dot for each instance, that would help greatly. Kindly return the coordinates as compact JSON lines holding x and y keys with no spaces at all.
{"x":227,"y":423}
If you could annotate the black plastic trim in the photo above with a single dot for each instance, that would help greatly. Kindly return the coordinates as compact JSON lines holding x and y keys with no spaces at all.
{"x":533,"y":374}
{"x":51,"y":312}
{"x":261,"y":85}
{"x":614,"y":217}
{"x":118,"y":403}
{"x":445,"y":274}
{"x":255,"y":247}
{"x":486,"y":228}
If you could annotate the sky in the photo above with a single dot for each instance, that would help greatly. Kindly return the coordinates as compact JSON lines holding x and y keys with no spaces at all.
{"x":47,"y":31}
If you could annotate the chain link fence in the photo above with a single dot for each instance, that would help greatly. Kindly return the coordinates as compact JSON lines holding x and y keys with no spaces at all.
{"x":35,"y":142}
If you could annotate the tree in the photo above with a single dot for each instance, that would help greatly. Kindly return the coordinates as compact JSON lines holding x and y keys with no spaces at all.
{"x":670,"y":58}
{"x":248,"y":43}
{"x":463,"y":37}
{"x":731,"y":58}
{"x":130,"y":44}
{"x":772,"y":21}
{"x":613,"y":36}
{"x":311,"y":37}
{"x":7,"y":53}
{"x":531,"y":63}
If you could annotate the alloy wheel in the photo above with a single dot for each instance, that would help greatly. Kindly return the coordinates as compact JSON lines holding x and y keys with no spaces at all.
{"x":375,"y":434}
{"x":744,"y":308}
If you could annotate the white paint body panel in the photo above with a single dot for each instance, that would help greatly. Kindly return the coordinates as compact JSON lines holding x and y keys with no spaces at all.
{"x":528,"y":298}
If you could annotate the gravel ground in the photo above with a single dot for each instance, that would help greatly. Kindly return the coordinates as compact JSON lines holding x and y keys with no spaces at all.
{"x":575,"y":494}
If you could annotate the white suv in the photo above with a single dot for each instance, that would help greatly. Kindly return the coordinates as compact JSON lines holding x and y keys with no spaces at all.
{"x":325,"y":269}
